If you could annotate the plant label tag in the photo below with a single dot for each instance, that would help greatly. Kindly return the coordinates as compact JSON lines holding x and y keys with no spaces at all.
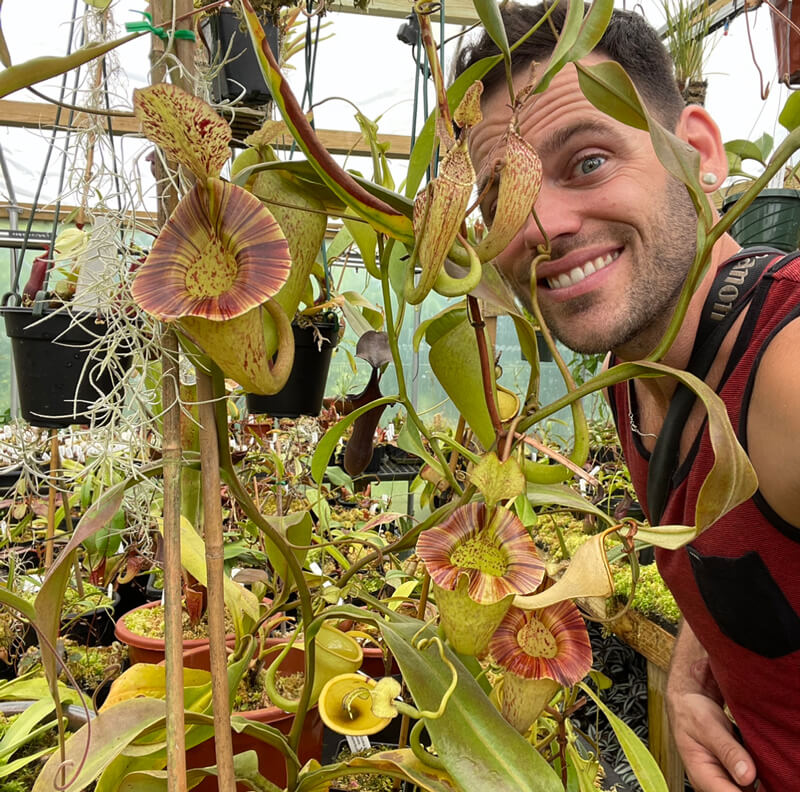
{"x":358,"y":742}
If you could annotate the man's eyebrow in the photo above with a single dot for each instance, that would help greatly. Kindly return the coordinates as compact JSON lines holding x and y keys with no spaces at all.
{"x":558,"y":138}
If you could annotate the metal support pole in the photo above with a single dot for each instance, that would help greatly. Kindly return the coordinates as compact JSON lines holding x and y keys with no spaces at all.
{"x":14,"y":210}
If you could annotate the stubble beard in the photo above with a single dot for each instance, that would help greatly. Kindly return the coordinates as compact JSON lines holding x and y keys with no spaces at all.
{"x":641,"y":315}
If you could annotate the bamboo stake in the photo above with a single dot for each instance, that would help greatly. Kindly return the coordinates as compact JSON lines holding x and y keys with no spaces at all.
{"x":171,"y":450}
{"x":173,"y":622}
{"x":215,"y":557}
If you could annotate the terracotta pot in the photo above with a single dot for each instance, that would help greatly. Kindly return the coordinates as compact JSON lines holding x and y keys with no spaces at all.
{"x":270,"y":760}
{"x":142,"y":649}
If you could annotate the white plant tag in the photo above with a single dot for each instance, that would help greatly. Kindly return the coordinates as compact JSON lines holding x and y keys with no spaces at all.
{"x":359,"y":742}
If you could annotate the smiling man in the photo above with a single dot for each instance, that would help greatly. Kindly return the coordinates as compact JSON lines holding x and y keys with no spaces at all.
{"x":621,"y":234}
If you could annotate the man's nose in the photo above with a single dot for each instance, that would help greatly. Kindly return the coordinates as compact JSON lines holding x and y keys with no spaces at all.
{"x":558,"y":213}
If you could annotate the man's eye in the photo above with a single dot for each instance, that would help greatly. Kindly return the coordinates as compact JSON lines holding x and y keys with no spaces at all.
{"x":590,"y":164}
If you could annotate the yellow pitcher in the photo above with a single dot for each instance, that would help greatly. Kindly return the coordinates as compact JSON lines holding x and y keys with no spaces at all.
{"x":336,"y":653}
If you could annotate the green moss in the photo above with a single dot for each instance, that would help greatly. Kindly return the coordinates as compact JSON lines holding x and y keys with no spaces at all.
{"x":149,"y":622}
{"x":652,"y":597}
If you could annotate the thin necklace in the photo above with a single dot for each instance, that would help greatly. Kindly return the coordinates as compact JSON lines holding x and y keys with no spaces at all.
{"x":634,"y":427}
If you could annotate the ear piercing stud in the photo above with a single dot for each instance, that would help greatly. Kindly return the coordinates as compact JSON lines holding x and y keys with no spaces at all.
{"x":709,"y":178}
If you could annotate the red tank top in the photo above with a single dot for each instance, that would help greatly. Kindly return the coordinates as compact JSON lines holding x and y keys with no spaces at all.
{"x":738,"y":583}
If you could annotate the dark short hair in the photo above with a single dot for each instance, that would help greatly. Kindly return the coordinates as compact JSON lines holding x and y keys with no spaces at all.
{"x":629,"y":40}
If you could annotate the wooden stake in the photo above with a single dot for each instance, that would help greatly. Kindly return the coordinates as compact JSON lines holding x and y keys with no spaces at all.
{"x":215,"y":572}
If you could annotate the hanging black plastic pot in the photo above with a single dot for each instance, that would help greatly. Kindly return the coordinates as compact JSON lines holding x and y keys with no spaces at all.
{"x":57,"y":388}
{"x":773,"y":218}
{"x":305,"y":388}
{"x":240,"y":78}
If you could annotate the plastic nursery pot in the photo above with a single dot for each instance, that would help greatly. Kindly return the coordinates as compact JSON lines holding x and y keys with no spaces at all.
{"x":773,"y":218}
{"x":142,"y":649}
{"x":94,"y":627}
{"x":305,"y":388}
{"x":239,"y":79}
{"x":270,"y":760}
{"x":57,"y":378}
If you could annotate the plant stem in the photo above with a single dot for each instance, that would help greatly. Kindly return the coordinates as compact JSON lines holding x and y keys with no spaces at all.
{"x":215,"y":573}
{"x":476,"y":320}
{"x":173,"y":628}
{"x":51,"y":501}
{"x":401,"y":380}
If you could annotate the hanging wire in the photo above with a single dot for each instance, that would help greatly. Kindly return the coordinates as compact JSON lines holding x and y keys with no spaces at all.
{"x":311,"y":49}
{"x":14,"y":290}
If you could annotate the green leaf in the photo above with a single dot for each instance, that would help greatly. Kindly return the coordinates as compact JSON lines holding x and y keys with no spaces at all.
{"x":745,"y":149}
{"x":566,"y":41}
{"x":641,"y":760}
{"x":397,"y":763}
{"x":35,"y":70}
{"x":245,"y":768}
{"x":731,"y":480}
{"x":562,"y":495}
{"x":382,"y":216}
{"x":608,"y":88}
{"x":111,"y":731}
{"x":789,"y":117}
{"x":497,"y":480}
{"x":470,"y":722}
{"x":238,"y":599}
{"x":456,"y":364}
{"x":492,"y":20}
{"x":327,"y":445}
{"x":409,"y":440}
{"x":591,"y":31}
{"x":296,"y":529}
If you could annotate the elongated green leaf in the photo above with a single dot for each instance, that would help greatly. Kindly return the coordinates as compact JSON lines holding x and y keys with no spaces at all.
{"x":322,"y":455}
{"x":296,"y":529}
{"x":22,"y":606}
{"x":562,"y":495}
{"x":731,"y":480}
{"x":492,"y":21}
{"x":111,"y":732}
{"x":591,"y":31}
{"x":455,"y":362}
{"x":17,"y":764}
{"x":398,"y":763}
{"x":566,"y":41}
{"x":35,"y":70}
{"x":470,"y":722}
{"x":608,"y":87}
{"x":409,"y":440}
{"x":379,"y":214}
{"x":47,"y":605}
{"x":193,"y":558}
{"x":245,"y":768}
{"x":641,"y":760}
{"x":24,"y":726}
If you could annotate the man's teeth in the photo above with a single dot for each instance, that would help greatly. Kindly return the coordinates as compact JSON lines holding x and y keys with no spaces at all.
{"x":577,"y":274}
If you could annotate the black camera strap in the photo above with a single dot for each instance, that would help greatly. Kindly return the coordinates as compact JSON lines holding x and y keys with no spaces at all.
{"x":732,"y":290}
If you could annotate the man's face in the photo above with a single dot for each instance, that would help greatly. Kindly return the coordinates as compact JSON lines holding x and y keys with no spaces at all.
{"x":622,"y":231}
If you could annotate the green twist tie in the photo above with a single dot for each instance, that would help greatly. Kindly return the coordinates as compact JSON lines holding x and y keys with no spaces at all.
{"x":147,"y":24}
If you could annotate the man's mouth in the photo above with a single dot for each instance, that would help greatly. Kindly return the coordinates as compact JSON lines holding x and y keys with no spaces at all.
{"x":577,"y":274}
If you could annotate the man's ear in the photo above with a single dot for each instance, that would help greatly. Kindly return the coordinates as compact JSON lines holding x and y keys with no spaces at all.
{"x":699,"y":130}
